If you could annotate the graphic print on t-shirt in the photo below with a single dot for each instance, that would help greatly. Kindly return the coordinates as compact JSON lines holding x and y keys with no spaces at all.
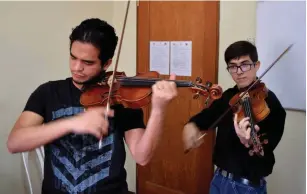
{"x":77,"y":161}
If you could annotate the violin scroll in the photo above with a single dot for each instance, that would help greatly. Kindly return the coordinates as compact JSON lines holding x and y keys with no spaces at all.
{"x":196,"y":91}
{"x":215,"y":92}
{"x":209,"y":91}
{"x":258,"y":149}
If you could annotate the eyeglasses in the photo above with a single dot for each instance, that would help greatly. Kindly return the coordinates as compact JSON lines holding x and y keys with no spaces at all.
{"x":244,"y":67}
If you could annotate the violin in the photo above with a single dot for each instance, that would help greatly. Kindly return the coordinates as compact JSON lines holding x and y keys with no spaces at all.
{"x":135,"y":92}
{"x":252,"y":105}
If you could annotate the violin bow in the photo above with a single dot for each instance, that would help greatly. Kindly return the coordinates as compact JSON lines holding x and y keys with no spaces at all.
{"x":257,"y":80}
{"x":115,"y":67}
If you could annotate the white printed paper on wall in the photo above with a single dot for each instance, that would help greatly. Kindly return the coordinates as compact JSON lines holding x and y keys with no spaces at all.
{"x":159,"y":57}
{"x":181,"y":58}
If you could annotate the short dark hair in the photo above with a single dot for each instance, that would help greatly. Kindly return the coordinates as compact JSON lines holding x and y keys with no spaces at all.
{"x":98,"y":33}
{"x":239,"y":49}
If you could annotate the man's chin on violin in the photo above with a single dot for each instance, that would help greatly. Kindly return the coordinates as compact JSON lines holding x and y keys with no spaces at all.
{"x":77,"y":78}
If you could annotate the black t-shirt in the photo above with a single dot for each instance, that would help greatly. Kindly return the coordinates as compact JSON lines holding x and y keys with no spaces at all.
{"x":74,"y":163}
{"x":229,"y":153}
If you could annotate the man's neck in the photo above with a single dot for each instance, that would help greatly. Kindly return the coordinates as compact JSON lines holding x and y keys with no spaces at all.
{"x":79,"y":86}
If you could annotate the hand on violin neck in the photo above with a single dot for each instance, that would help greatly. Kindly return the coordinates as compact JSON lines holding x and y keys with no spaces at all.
{"x":172,"y":77}
{"x":163,"y":93}
{"x":243,"y":130}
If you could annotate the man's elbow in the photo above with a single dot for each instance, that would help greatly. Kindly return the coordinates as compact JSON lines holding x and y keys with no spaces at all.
{"x":142,"y":159}
{"x":11,"y":147}
{"x":143,"y":162}
{"x":13,"y":144}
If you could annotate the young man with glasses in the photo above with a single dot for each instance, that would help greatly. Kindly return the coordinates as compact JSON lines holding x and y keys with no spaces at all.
{"x":237,"y":172}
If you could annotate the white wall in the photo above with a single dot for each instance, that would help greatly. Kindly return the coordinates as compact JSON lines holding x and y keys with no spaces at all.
{"x":35,"y":40}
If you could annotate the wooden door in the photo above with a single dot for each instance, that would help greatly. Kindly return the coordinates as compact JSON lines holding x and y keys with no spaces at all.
{"x":171,"y":171}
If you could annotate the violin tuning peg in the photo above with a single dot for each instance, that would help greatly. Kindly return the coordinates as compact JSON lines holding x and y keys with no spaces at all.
{"x":208,"y":84}
{"x":207,"y":102}
{"x":265,"y":141}
{"x":199,"y":80}
{"x":195,"y":96}
{"x":251,"y":152}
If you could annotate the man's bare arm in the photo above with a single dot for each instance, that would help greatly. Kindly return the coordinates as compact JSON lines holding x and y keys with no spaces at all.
{"x":29,"y":133}
{"x":143,"y":143}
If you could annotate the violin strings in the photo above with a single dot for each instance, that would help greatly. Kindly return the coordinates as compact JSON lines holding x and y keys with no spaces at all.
{"x":248,"y":111}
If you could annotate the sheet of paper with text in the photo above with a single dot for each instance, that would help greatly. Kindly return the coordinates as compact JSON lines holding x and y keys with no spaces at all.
{"x":181,"y":58}
{"x":159,"y":56}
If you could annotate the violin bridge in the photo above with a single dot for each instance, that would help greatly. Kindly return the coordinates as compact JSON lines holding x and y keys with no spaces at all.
{"x":246,"y":95}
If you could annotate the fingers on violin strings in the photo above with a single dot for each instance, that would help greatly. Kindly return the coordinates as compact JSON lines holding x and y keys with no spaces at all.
{"x":238,"y":129}
{"x":246,"y":145}
{"x":235,"y":121}
{"x":164,"y":85}
{"x":245,"y":124}
{"x":248,"y":133}
{"x":169,"y":87}
{"x":155,"y":87}
{"x":257,"y":128}
{"x":173,"y":88}
{"x":172,"y":77}
{"x":245,"y":119}
{"x":159,"y":85}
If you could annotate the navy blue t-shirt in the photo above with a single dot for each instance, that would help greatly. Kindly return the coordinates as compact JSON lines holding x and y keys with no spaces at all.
{"x":74,"y":163}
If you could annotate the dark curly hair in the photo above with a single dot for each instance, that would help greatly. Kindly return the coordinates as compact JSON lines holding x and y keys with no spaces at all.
{"x":98,"y":33}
